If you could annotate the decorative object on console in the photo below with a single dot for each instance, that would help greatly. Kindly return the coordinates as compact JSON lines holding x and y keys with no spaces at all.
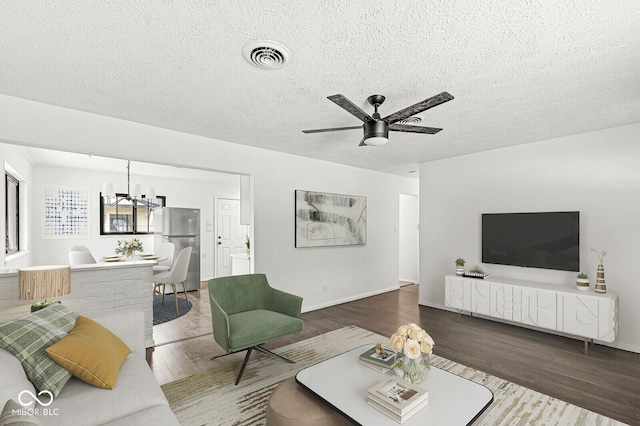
{"x":476,"y":272}
{"x":248,"y":244}
{"x":129,"y":247}
{"x":459,"y":266}
{"x":413,"y":346}
{"x":582,"y":282}
{"x":43,"y":282}
{"x":601,"y":287}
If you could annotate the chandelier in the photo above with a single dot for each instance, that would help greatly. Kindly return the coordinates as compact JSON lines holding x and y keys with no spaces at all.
{"x":107,"y":189}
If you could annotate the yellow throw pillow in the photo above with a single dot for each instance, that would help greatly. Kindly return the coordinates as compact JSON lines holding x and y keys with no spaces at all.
{"x":91,"y":353}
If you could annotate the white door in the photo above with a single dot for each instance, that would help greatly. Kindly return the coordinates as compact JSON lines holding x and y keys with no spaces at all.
{"x":231,"y":236}
{"x":408,"y":239}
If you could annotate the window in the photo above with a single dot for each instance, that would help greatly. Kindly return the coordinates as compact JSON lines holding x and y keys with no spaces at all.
{"x":12,"y":214}
{"x":123,"y":215}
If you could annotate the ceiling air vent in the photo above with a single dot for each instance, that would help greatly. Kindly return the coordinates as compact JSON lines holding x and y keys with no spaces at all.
{"x":266,"y":54}
{"x":410,"y":120}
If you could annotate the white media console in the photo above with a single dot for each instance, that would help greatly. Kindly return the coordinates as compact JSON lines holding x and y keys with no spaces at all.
{"x":588,"y":315}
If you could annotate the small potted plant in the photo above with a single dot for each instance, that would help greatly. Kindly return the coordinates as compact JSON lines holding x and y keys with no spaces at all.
{"x":248,"y":244}
{"x":582,"y":282}
{"x":459,"y":266}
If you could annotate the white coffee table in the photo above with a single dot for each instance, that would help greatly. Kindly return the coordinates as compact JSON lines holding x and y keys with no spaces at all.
{"x":343,"y":382}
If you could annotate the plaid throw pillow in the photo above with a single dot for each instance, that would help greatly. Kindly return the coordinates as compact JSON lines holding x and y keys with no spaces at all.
{"x":27,"y":338}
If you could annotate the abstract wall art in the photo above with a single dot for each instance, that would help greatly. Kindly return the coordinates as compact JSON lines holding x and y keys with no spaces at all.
{"x":66,"y":212}
{"x":324,"y":219}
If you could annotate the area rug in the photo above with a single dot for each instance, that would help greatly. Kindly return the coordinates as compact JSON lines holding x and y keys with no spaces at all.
{"x":211,"y":398}
{"x":167,"y":312}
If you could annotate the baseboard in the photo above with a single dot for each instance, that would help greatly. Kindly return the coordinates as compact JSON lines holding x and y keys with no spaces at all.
{"x":349,"y":299}
{"x":616,"y":345}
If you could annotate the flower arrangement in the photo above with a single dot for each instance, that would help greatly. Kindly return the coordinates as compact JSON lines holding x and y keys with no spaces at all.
{"x":129,"y":247}
{"x":410,"y":342}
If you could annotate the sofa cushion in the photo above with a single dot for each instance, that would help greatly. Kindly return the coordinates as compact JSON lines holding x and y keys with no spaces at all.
{"x":258,"y":326}
{"x":13,"y":379}
{"x":137,"y":390}
{"x":27,"y":338}
{"x":91,"y":353}
{"x":14,"y":414}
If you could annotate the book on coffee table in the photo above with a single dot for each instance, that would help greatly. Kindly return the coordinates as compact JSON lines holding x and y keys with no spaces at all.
{"x":376,"y":367}
{"x":387,"y":359}
{"x":397,"y":398}
{"x":397,"y":417}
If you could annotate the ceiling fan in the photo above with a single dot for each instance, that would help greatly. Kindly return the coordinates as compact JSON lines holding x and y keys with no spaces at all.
{"x":376,"y":129}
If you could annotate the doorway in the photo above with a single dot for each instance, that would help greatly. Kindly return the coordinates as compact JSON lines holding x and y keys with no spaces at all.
{"x":231,"y":235}
{"x":408,"y":237}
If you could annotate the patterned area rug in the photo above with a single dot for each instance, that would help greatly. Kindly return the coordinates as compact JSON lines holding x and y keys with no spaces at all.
{"x":211,"y":398}
{"x":167,"y":311}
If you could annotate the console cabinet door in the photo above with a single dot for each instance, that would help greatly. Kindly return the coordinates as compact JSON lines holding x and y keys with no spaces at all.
{"x":502,"y":304}
{"x":580,"y":315}
{"x":458,"y":293}
{"x":539,"y":308}
{"x":589,"y":316}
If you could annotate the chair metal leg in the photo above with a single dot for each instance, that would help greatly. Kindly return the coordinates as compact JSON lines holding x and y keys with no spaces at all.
{"x":246,"y":358}
{"x":244,"y":364}
{"x":268,"y":352}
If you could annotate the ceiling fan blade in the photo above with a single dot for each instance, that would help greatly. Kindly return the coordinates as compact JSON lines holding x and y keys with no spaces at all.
{"x":350,"y":107}
{"x":413,"y":129}
{"x":362,"y":143}
{"x":419,"y":107}
{"x":333,"y":129}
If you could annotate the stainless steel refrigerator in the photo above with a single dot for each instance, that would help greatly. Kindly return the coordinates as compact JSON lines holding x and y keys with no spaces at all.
{"x":180,"y":226}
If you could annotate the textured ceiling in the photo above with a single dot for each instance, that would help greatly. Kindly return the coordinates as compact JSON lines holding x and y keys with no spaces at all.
{"x":520,"y":71}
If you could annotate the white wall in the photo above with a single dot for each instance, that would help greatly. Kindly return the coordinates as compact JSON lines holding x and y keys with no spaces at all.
{"x":348,"y":272}
{"x":179,"y":193}
{"x":596,"y":173}
{"x":409,"y":241}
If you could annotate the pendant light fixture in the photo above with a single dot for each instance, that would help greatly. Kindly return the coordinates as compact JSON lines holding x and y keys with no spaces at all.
{"x":107,"y":188}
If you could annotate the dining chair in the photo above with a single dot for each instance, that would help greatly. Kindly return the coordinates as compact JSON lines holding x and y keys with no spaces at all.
{"x":81,"y":258}
{"x":167,"y":252}
{"x":80,"y":248}
{"x":176,"y":275}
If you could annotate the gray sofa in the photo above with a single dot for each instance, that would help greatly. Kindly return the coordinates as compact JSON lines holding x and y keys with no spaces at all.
{"x":136,"y":400}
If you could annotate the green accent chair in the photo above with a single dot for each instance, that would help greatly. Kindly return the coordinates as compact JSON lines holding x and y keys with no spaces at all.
{"x":246,"y":313}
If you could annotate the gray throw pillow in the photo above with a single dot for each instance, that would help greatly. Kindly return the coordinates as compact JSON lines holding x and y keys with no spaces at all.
{"x":27,"y":338}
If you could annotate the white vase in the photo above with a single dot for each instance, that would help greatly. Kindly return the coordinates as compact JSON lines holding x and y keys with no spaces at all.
{"x":460,"y":270}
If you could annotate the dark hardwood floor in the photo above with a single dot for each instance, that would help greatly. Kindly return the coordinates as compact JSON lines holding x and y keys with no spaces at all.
{"x":606,"y":381}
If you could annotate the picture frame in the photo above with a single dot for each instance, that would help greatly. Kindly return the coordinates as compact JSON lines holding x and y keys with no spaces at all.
{"x":66,"y":212}
{"x":328,"y":219}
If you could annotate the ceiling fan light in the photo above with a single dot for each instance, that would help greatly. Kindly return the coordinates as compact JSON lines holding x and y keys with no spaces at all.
{"x":376,"y":132}
{"x":376,"y":141}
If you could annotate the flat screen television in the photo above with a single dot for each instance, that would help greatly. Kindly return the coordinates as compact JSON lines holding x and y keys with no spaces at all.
{"x":548,"y":240}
